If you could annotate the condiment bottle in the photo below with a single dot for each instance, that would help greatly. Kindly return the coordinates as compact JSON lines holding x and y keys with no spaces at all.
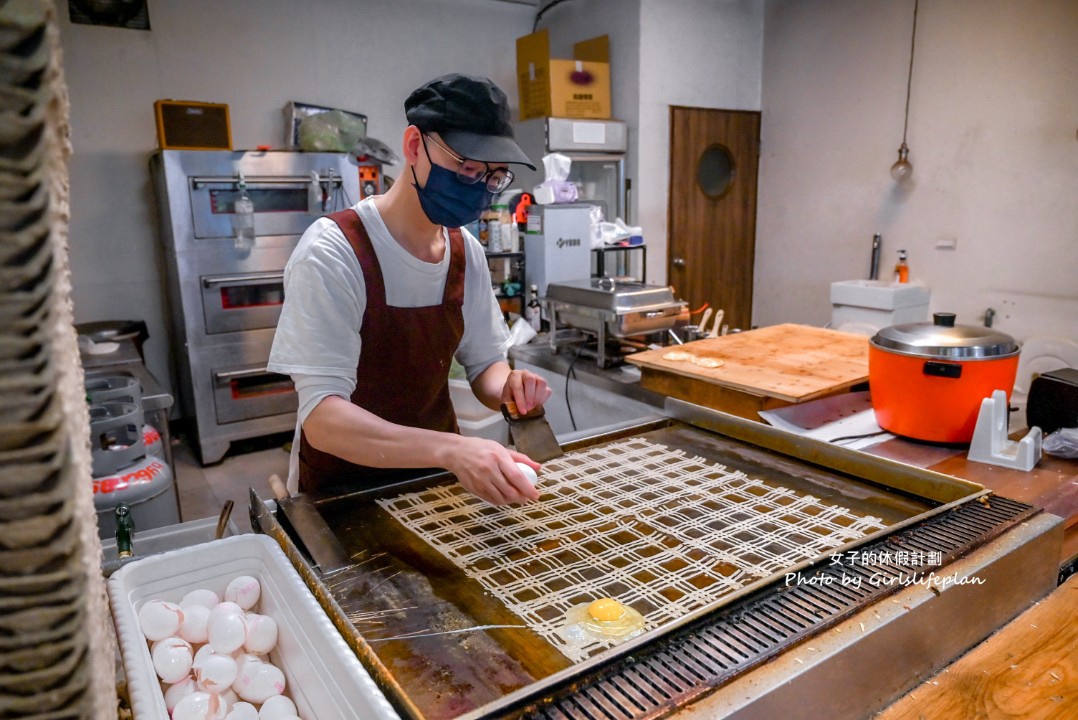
{"x":534,"y":311}
{"x":902,"y":270}
{"x":494,"y":230}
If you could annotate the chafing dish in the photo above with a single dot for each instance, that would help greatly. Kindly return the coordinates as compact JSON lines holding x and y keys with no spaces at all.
{"x":611,"y":308}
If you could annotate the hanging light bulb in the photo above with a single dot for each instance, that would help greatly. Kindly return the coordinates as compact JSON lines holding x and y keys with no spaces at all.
{"x":902,"y":168}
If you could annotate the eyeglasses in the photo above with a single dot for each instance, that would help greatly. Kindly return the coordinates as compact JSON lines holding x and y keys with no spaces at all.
{"x":472,"y":171}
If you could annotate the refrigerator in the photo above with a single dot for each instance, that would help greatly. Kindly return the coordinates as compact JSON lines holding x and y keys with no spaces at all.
{"x":597,"y":151}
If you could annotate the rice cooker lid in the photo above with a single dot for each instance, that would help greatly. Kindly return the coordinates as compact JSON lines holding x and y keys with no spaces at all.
{"x":941,"y":338}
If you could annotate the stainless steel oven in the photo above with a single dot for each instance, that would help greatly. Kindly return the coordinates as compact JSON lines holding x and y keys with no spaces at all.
{"x":225,"y":298}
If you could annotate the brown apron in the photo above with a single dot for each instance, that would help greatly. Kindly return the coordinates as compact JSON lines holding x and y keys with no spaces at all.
{"x":403,"y":370}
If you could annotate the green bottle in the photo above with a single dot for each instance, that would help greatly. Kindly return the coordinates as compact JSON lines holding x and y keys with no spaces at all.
{"x":125,"y":528}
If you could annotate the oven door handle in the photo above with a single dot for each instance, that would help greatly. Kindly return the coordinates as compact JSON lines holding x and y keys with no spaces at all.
{"x":249,"y":279}
{"x":226,"y":375}
{"x":200,"y":181}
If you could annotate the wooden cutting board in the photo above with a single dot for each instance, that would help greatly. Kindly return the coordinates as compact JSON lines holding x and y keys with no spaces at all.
{"x":789,"y":363}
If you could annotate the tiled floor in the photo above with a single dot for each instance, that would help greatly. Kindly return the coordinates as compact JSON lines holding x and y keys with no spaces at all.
{"x":203,"y":491}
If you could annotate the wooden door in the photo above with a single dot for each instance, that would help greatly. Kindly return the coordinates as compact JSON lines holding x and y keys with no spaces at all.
{"x":711,"y":233}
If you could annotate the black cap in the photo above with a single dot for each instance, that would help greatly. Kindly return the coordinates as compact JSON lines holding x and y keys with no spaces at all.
{"x":471,"y":114}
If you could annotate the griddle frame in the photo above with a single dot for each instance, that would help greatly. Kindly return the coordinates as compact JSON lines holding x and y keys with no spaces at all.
{"x":948,"y":492}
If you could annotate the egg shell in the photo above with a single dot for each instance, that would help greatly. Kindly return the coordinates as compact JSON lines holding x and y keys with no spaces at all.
{"x":247,"y":665}
{"x":194,"y":629}
{"x":172,"y":658}
{"x":159,"y":619}
{"x":277,"y":707}
{"x":529,"y":473}
{"x":201,"y":654}
{"x":178,"y":691}
{"x":265,"y":682}
{"x":200,"y":706}
{"x":225,"y":629}
{"x":206,"y":598}
{"x":261,"y":634}
{"x":244,"y":591}
{"x":242,"y":711}
{"x":216,"y":673}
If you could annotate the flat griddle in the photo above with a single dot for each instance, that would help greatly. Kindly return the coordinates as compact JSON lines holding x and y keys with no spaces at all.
{"x":444,"y":640}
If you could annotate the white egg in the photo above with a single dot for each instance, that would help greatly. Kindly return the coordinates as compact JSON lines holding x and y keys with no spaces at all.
{"x":225,"y":628}
{"x":178,"y":691}
{"x":247,"y":665}
{"x":266,"y":681}
{"x":159,"y":619}
{"x":277,"y":707}
{"x":244,"y":591}
{"x":206,"y":598}
{"x":529,"y":473}
{"x":216,"y":673}
{"x":242,"y":711}
{"x":193,"y":628}
{"x":172,"y":658}
{"x":200,"y":706}
{"x":230,"y":697}
{"x":261,"y":634}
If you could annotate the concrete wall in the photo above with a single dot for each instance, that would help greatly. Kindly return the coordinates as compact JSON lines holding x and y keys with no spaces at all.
{"x":255,"y":55}
{"x":992,"y":136}
{"x":991,"y":128}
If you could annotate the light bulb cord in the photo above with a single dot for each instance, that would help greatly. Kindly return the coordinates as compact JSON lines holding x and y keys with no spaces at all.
{"x":909,"y":77}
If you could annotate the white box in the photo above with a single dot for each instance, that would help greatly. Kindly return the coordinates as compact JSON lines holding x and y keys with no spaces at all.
{"x":557,"y":245}
{"x":474,"y":418}
{"x":324,"y":678}
{"x":878,"y":295}
{"x":865,"y":306}
{"x":465,"y":404}
{"x":493,"y":428}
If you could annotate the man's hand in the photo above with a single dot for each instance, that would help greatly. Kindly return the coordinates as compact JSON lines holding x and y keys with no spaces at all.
{"x":526,"y":389}
{"x":488,"y":470}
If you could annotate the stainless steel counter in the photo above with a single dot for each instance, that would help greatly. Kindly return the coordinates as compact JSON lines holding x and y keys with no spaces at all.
{"x":623,"y":380}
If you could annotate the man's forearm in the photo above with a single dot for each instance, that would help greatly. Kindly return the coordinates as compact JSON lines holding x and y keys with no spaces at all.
{"x":488,"y":385}
{"x":338,"y":427}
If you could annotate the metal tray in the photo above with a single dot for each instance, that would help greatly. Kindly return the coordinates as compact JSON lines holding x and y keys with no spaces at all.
{"x":610,"y":294}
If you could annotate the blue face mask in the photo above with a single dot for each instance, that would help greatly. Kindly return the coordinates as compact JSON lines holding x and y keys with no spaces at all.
{"x":446,"y":200}
{"x":449,"y":202}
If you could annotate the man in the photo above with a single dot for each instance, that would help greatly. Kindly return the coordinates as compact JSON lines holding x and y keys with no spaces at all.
{"x":379,"y":298}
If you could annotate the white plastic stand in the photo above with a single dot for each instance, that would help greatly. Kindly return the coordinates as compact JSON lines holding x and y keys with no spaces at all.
{"x":990,"y":442}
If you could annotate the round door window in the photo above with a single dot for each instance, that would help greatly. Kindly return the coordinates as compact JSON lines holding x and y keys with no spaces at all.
{"x":715,"y":171}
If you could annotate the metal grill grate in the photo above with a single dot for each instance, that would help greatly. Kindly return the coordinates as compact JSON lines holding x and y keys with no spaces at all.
{"x":662,"y":531}
{"x":719,"y":647}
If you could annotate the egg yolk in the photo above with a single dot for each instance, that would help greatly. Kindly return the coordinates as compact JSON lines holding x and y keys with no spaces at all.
{"x":606,"y":610}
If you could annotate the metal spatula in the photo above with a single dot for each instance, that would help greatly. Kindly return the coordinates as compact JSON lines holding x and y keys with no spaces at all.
{"x":531,"y":433}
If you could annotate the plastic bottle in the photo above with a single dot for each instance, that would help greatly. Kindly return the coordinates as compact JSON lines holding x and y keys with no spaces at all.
{"x":534,"y":311}
{"x":902,"y":269}
{"x":243,"y":220}
{"x":494,"y":229}
{"x":508,"y":228}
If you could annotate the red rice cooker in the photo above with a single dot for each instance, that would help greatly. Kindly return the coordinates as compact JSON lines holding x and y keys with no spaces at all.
{"x":927,"y":380}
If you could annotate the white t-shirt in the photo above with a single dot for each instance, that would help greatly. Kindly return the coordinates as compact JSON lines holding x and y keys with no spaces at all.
{"x":317,"y":340}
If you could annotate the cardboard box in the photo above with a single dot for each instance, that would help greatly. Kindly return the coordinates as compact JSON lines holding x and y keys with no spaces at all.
{"x":190,"y":125}
{"x":577,"y":88}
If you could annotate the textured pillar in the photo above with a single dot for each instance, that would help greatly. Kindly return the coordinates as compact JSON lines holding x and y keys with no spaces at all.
{"x":57,"y":652}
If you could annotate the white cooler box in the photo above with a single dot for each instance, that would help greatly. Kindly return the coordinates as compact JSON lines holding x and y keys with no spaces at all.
{"x":474,"y":418}
{"x":324,"y":678}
